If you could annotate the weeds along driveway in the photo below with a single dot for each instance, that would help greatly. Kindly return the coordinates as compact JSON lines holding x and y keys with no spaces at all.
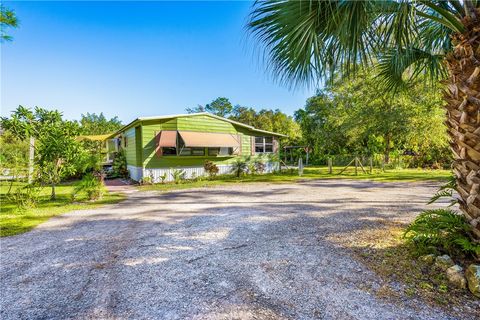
{"x":244,"y":251}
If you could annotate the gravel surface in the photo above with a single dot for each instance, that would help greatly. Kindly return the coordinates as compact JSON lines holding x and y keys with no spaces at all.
{"x":246,"y":251}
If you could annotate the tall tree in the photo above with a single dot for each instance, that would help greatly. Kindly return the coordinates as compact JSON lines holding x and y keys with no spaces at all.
{"x":220,"y":107}
{"x":352,"y":116}
{"x":306,"y":41}
{"x":8,"y":19}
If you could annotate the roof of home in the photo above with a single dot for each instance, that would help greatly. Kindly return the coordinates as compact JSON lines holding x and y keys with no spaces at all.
{"x":196,"y":114}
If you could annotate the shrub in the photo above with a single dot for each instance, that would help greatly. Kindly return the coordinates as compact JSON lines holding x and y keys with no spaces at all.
{"x":91,"y":185}
{"x":163,"y":177}
{"x":259,"y":166}
{"x":239,"y":167}
{"x":178,"y":175}
{"x":119,"y":166}
{"x":443,"y":230}
{"x":146,"y":181}
{"x":25,"y":197}
{"x":211,"y":168}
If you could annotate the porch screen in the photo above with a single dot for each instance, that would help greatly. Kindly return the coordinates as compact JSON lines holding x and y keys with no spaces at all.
{"x":207,"y":139}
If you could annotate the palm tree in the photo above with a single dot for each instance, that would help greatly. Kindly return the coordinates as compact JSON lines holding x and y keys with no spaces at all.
{"x":307,"y":41}
{"x":7,"y":19}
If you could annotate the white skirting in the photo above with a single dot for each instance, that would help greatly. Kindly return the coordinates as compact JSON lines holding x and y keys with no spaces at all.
{"x":137,"y":173}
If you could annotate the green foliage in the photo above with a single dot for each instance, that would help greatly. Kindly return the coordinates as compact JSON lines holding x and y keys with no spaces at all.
{"x":163,"y":177}
{"x":8,"y":19}
{"x":178,"y":175}
{"x":265,"y":119}
{"x":304,"y":42}
{"x":256,"y":166}
{"x":446,"y":191}
{"x":220,"y":107}
{"x":441,"y":229}
{"x":269,"y":120}
{"x":239,"y":167}
{"x":96,"y":124}
{"x":353,"y":117}
{"x":25,"y":197}
{"x":148,"y":179}
{"x":210,"y":168}
{"x":56,"y":149}
{"x":119,"y":165}
{"x":13,"y":157}
{"x":91,"y":185}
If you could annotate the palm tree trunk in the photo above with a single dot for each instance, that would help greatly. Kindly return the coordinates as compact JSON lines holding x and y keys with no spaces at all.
{"x":463,"y":118}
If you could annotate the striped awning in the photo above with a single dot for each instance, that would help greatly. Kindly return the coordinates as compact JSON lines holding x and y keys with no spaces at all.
{"x":209,"y":139}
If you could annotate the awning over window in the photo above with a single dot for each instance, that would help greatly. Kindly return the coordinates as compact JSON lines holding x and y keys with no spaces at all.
{"x":207,"y":139}
{"x":168,"y":139}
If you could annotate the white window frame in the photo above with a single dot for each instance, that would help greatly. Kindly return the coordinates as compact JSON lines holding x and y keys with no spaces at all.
{"x":264,"y":144}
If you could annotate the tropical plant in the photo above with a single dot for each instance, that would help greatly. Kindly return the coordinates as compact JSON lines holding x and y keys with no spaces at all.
{"x":25,"y":197}
{"x":178,"y":175}
{"x":163,"y":177}
{"x":239,"y":167}
{"x":211,"y":168}
{"x":8,"y":19}
{"x":441,"y":229}
{"x":91,"y":185}
{"x":307,"y":41}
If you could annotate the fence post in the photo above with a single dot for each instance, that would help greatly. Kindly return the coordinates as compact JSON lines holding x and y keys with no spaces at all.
{"x":371,"y":165}
{"x":356,"y":166}
{"x":31,"y":155}
{"x":330,"y":165}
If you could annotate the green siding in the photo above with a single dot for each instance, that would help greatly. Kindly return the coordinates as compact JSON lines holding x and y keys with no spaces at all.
{"x":204,"y":124}
{"x":138,"y":146}
{"x":130,"y":150}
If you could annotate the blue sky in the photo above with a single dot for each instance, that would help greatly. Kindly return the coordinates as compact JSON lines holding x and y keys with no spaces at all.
{"x":135,"y":59}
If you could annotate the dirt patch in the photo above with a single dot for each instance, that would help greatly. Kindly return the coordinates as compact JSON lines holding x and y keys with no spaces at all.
{"x":383,"y":250}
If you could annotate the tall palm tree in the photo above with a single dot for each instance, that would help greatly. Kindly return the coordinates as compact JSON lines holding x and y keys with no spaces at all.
{"x":306,"y":41}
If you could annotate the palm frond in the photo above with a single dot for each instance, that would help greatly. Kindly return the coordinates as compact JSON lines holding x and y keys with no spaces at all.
{"x":398,"y":67}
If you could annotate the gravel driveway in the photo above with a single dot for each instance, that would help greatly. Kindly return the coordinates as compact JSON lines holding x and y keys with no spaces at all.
{"x":246,"y":251}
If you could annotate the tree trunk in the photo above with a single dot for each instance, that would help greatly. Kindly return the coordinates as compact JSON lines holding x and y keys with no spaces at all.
{"x":53,"y":196}
{"x":387,"y":149}
{"x":463,"y":118}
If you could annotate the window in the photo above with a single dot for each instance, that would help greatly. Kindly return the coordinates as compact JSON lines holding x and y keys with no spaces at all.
{"x":169,"y":151}
{"x":220,"y":151}
{"x":125,"y":141}
{"x":192,"y":151}
{"x":263,"y":144}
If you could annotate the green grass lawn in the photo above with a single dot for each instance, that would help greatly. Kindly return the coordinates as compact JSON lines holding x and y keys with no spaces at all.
{"x":396,"y":175}
{"x":14,"y":221}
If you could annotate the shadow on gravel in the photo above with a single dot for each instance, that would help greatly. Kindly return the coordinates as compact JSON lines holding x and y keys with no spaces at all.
{"x":184,"y":255}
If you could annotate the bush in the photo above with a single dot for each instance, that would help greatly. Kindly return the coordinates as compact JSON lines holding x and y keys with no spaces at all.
{"x":239,"y":167}
{"x":259,"y":166}
{"x":91,"y":185}
{"x":119,"y":166}
{"x":163,"y":177}
{"x":210,"y":168}
{"x":178,"y":175}
{"x":443,"y":230}
{"x":25,"y":197}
